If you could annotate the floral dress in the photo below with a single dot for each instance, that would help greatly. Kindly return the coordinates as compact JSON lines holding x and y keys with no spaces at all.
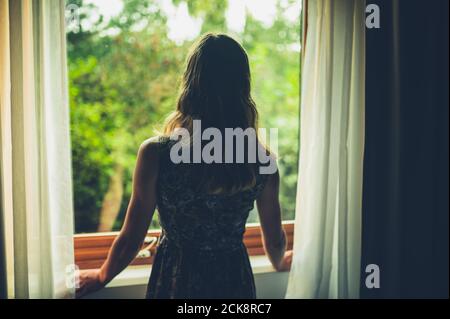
{"x":201,"y":253}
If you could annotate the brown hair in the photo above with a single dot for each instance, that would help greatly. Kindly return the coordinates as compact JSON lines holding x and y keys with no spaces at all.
{"x":215,"y":88}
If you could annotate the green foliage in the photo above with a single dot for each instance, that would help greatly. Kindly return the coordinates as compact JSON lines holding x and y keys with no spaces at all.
{"x":124,"y":77}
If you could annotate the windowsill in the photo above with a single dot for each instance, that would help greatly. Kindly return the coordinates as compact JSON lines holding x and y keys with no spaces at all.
{"x":139,"y":275}
{"x":91,"y":250}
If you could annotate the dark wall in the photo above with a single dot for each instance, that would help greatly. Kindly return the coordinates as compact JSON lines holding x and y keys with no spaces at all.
{"x":405,"y":200}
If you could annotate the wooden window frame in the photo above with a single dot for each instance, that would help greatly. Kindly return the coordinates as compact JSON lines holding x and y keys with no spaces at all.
{"x":91,"y":250}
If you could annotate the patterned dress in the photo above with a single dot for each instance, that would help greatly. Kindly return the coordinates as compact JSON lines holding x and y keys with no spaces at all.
{"x":201,"y":253}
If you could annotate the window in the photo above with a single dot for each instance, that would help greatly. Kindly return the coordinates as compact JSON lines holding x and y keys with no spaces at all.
{"x":124,"y":60}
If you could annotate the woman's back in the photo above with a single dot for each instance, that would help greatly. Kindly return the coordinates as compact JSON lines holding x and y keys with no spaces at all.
{"x":201,"y":253}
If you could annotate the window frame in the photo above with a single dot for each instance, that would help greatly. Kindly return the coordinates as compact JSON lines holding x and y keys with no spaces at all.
{"x":92,"y":249}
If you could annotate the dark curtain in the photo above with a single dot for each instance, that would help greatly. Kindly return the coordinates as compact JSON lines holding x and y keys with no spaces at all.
{"x":405,"y":199}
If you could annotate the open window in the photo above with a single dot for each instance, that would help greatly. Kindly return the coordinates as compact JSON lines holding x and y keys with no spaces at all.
{"x":125,"y":60}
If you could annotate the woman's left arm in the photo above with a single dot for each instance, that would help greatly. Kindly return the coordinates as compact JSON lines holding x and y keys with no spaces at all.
{"x":138,"y":217}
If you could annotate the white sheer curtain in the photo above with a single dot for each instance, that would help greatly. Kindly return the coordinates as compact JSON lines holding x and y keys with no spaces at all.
{"x":327,"y":237}
{"x":35,"y":171}
{"x":5,"y":147}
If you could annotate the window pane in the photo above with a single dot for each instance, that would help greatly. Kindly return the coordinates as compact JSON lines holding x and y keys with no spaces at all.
{"x":125,"y":59}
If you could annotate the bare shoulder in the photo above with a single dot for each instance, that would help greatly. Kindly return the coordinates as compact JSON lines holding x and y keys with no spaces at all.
{"x":149,"y":148}
{"x":146,"y":170}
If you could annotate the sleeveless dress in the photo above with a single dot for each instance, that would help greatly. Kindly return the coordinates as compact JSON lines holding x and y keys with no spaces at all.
{"x":201,"y":253}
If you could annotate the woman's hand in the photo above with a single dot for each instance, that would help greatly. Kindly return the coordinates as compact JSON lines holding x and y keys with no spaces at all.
{"x":286,"y":261}
{"x":89,"y":281}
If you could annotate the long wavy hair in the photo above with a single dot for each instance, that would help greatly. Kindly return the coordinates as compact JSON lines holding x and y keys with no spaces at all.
{"x":216,"y":89}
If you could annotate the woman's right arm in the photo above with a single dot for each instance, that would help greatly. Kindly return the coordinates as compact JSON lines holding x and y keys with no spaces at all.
{"x":274,"y":237}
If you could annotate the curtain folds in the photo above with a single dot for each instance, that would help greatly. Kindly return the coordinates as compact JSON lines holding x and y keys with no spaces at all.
{"x":5,"y":146}
{"x":35,"y":169}
{"x":327,"y":237}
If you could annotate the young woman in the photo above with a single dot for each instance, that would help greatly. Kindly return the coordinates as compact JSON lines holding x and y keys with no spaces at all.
{"x":202,"y":207}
